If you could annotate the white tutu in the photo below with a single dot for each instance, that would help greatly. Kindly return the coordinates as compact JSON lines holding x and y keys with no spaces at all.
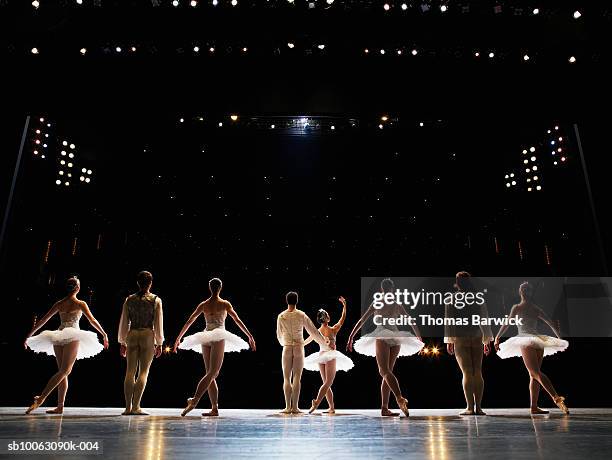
{"x":343,"y":362}
{"x":512,"y":346}
{"x":410,"y":345}
{"x":88,"y":341}
{"x":232,"y":342}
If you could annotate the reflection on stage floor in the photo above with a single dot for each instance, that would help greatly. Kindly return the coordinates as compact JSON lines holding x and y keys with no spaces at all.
{"x":427,"y":433}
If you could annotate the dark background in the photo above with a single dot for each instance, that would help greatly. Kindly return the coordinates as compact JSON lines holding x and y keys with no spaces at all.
{"x":113,"y":108}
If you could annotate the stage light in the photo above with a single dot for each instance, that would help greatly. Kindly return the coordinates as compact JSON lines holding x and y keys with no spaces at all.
{"x":234,"y":117}
{"x":524,"y":151}
{"x":215,"y":2}
{"x":71,"y":155}
{"x":83,"y":50}
{"x":536,"y":11}
{"x":491,"y":55}
{"x":386,"y":7}
{"x":35,"y":152}
{"x":79,"y":2}
{"x":62,"y":162}
{"x":193,"y":3}
{"x":272,"y":126}
{"x":525,"y":57}
{"x":88,"y":180}
{"x":82,"y":179}
{"x":399,"y":52}
{"x":421,"y":124}
{"x":290,"y":45}
{"x":64,"y":142}
{"x":511,"y":174}
{"x":234,"y":2}
{"x":572,"y":59}
{"x":535,"y":177}
{"x":89,"y":171}
{"x":70,"y":165}
{"x":34,"y":50}
{"x":513,"y":182}
{"x":175,"y":3}
{"x":443,"y":8}
{"x":507,"y":176}
{"x":244,"y":50}
{"x":181,"y":120}
{"x":556,"y":128}
{"x":527,"y":170}
{"x":534,"y":167}
{"x":559,"y":150}
{"x":69,"y":175}
{"x":58,"y":182}
{"x":404,"y":7}
{"x":552,"y":142}
{"x":133,"y":49}
{"x":532,"y":149}
{"x":196,"y":49}
{"x":507,"y":184}
{"x":382,"y":51}
{"x":529,"y":189}
{"x":329,"y":2}
{"x":414,"y":52}
{"x":555,"y":163}
{"x":83,"y":170}
{"x":61,"y":173}
{"x":577,"y":14}
{"x":525,"y":161}
{"x":66,"y":183}
{"x":477,"y":54}
{"x":118,"y":49}
{"x":380,"y":126}
{"x":220,"y":124}
{"x":539,"y":187}
{"x":384,"y":118}
{"x":528,"y":180}
{"x":45,"y":146}
{"x":533,"y":158}
{"x":211,"y":49}
{"x":333,"y":127}
{"x":562,"y":158}
{"x":42,"y":120}
{"x":72,"y":146}
{"x":35,"y":3}
{"x":321,"y":47}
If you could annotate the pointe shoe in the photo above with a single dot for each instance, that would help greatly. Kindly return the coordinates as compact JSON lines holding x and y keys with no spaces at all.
{"x":403,"y":405}
{"x":57,"y":410}
{"x":560,"y":402}
{"x":537,"y":410}
{"x":35,"y":405}
{"x":314,"y":406}
{"x":191,"y":404}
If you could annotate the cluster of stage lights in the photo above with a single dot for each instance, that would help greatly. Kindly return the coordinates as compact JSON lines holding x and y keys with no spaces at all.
{"x":430,"y":351}
{"x":66,"y":157}
{"x":531,"y":169}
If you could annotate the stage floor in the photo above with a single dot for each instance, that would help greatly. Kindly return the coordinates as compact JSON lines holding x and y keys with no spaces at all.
{"x":433,"y":434}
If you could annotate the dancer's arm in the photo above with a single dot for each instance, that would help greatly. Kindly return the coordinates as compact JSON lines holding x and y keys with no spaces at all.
{"x":241,"y":325}
{"x":158,"y":327}
{"x":369,"y":312}
{"x":187,"y":325}
{"x":449,"y":329}
{"x":340,"y":322}
{"x":544,"y":317}
{"x":504,"y":327}
{"x":124,"y":328}
{"x":308,"y":340}
{"x":42,"y":321}
{"x":279,"y":330}
{"x":313,"y":331}
{"x":487,"y":333}
{"x":94,"y":322}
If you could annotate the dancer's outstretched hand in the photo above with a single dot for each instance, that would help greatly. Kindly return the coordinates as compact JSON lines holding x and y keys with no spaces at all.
{"x":176,"y":345}
{"x":158,"y":351}
{"x":342,"y":300}
{"x":252,"y":343}
{"x":450,"y":348}
{"x":25,"y":343}
{"x":349,"y":344}
{"x":123,"y":350}
{"x":105,"y":341}
{"x":496,"y":344}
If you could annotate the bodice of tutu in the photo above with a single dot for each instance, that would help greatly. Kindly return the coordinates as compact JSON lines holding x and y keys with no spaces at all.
{"x":215,"y":320}
{"x":529,"y":326}
{"x":70,"y":319}
{"x":330,"y":340}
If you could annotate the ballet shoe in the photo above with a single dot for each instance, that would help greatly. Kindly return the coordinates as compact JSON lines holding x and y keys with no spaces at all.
{"x":330,"y":411}
{"x":467,"y":412}
{"x":560,"y":402}
{"x":403,"y":405}
{"x":314,"y":406}
{"x":296,"y":412}
{"x":57,"y":410}
{"x":126,"y":412}
{"x":387,"y":413}
{"x":537,"y":410}
{"x":285,"y":411}
{"x":211,"y":413}
{"x":191,"y":404}
{"x":35,"y":405}
{"x":479,"y":412}
{"x":138,"y":412}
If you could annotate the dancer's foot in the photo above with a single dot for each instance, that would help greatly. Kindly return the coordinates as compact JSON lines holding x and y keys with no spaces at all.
{"x":467,"y":412}
{"x":385,"y":412}
{"x":403,"y":405}
{"x":138,"y":411}
{"x":191,"y":405}
{"x":57,"y":410}
{"x":537,"y":410}
{"x":560,"y":402}
{"x":314,"y":406}
{"x":296,"y":412}
{"x":211,"y":413}
{"x":479,"y":411}
{"x":35,"y":405}
{"x":330,"y":411}
{"x":285,"y":411}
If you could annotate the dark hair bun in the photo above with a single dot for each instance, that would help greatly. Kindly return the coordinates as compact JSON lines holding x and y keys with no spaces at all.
{"x":321,"y":316}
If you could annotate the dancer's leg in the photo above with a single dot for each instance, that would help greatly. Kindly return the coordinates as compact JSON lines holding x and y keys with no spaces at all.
{"x":532,"y":363}
{"x":385,"y":391}
{"x":62,"y":388}
{"x":329,"y":372}
{"x":129,"y":381}
{"x":69,"y":354}
{"x":534,"y":388}
{"x":296,"y":377}
{"x":382,"y":359}
{"x":477,"y":352}
{"x":146,"y":351}
{"x":287,"y":362}
{"x":329,"y":396}
{"x":463,"y":354}
{"x":217,"y":350}
{"x":213,"y":389}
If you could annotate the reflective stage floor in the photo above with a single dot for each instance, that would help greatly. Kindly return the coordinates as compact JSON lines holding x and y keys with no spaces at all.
{"x":432,"y":434}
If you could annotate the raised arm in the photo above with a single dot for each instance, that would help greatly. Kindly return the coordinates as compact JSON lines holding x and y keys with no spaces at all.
{"x":241,"y":325}
{"x":369,"y":312}
{"x":94,"y":322}
{"x":47,"y":316}
{"x":505,"y":327}
{"x":313,"y":331}
{"x":340,"y":322}
{"x":544,"y":317}
{"x":187,"y":325}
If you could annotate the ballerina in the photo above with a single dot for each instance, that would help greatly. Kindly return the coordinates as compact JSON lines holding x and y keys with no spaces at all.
{"x":327,"y":361}
{"x":386,"y":343}
{"x":68,"y":343}
{"x":290,"y":326}
{"x":213,"y":342}
{"x":532,"y":347}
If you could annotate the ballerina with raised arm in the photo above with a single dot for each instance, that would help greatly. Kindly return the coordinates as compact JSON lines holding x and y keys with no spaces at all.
{"x":386,"y":343}
{"x":213,"y":342}
{"x":532,"y":347}
{"x":68,"y":343}
{"x":327,"y":361}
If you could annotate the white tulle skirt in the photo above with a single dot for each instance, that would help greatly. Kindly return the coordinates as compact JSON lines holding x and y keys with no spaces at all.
{"x":410,"y":345}
{"x":343,"y":362}
{"x":232,"y":342}
{"x":89,"y":345}
{"x":512,"y":346}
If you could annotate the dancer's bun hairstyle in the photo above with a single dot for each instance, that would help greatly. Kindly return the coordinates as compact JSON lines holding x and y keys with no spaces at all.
{"x":526,"y":289}
{"x":71,"y":284}
{"x":321,"y":316}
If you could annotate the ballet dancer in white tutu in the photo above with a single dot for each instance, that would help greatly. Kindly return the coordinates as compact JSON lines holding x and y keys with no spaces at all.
{"x":327,"y":361}
{"x":67,"y":344}
{"x":213,"y":342}
{"x":386,"y":343}
{"x":532,"y":346}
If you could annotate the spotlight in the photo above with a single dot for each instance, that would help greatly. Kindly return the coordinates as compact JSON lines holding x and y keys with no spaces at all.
{"x":70,"y":165}
{"x":89,"y":171}
{"x":511,"y":174}
{"x":477,"y":54}
{"x":380,"y":126}
{"x":382,"y":51}
{"x":321,"y":47}
{"x":366,"y":51}
{"x":62,"y":162}
{"x":404,"y":7}
{"x":414,"y":52}
{"x":66,"y":183}
{"x":245,"y":49}
{"x":563,"y":158}
{"x":526,"y":57}
{"x":196,"y":49}
{"x":333,"y":127}
{"x":443,"y":8}
{"x":234,"y":2}
{"x":524,"y":151}
{"x":577,"y":14}
{"x":79,"y":2}
{"x":72,"y":146}
{"x":234,"y":117}
{"x":421,"y":124}
{"x":399,"y":52}
{"x":532,"y":149}
{"x":211,"y":49}
{"x":34,"y":50}
{"x":386,"y":7}
{"x":329,"y":2}
{"x":83,"y":170}
{"x":539,"y":187}
{"x":133,"y":49}
{"x":88,"y":180}
{"x":533,"y":158}
{"x":290,"y":45}
{"x":82,"y":179}
{"x":71,"y":155}
{"x":118,"y":49}
{"x":572,"y":59}
{"x":35,"y":3}
{"x":513,"y":182}
{"x":507,"y":184}
{"x":272,"y":126}
{"x":534,"y":167}
{"x":42,"y":120}
{"x":175,"y":3}
{"x":193,"y":3}
{"x":58,"y":182}
{"x":384,"y":118}
{"x":83,"y":50}
{"x":536,"y":11}
{"x":215,"y":2}
{"x":61,"y":173}
{"x":491,"y":54}
{"x":220,"y":124}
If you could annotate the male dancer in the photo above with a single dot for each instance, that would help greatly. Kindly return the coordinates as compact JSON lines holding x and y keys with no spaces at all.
{"x":290,"y":326}
{"x":141,"y":335}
